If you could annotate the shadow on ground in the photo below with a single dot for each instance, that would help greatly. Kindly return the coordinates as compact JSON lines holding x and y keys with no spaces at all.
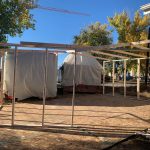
{"x":91,"y":100}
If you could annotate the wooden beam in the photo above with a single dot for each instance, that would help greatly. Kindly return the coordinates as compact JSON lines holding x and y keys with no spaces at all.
{"x":128,"y":53}
{"x":8,"y":44}
{"x":84,"y":48}
{"x":108,"y":54}
{"x":97,"y":57}
{"x":71,"y":47}
{"x":126,"y":50}
{"x":11,"y":50}
{"x":142,"y":47}
{"x":101,"y":58}
{"x":140,"y":42}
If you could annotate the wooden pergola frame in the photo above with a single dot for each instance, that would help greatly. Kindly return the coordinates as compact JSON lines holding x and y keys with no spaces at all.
{"x":129,"y":53}
{"x":63,"y":48}
{"x":124,"y":80}
{"x":109,"y":54}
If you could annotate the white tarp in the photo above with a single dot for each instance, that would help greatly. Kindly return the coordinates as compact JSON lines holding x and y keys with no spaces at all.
{"x":30,"y":74}
{"x":88,"y":70}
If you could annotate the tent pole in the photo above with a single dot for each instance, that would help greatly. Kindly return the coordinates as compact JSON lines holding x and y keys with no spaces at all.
{"x":74,"y":86}
{"x":113,"y":81}
{"x":104,"y":77}
{"x":125,"y":69}
{"x":14,"y":82}
{"x":44,"y":84}
{"x":138,"y":78}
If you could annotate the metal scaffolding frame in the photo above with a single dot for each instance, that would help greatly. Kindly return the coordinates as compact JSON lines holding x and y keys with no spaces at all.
{"x":61,"y":48}
{"x":124,"y":79}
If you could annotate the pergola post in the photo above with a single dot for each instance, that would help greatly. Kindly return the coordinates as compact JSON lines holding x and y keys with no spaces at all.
{"x":44,"y":84}
{"x":103,"y":77}
{"x":147,"y":60}
{"x":138,"y":78}
{"x":74,"y":86}
{"x":2,"y":75}
{"x":124,"y":79}
{"x":113,"y":80}
{"x":14,"y":83}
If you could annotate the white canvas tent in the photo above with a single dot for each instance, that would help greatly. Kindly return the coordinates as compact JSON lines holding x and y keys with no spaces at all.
{"x":88,"y":70}
{"x":30,"y":74}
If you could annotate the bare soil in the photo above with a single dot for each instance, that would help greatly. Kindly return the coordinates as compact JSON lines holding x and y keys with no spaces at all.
{"x":99,"y":121}
{"x":35,"y":140}
{"x":131,"y":88}
{"x":133,"y":144}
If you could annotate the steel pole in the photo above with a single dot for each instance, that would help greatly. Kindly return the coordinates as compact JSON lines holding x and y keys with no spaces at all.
{"x":125,"y":70}
{"x":138,"y":78}
{"x":2,"y":76}
{"x":44,"y":85}
{"x":103,"y":77}
{"x":147,"y":60}
{"x":74,"y":87}
{"x":14,"y":83}
{"x":113,"y":80}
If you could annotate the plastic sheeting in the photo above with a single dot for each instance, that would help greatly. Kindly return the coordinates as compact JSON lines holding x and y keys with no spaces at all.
{"x":88,"y":70}
{"x":30,"y":75}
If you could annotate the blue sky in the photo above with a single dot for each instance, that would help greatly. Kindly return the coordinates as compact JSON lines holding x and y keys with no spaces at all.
{"x":54,"y":27}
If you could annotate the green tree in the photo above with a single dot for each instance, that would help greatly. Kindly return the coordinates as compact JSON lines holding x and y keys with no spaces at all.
{"x":94,"y":35}
{"x":131,"y":30}
{"x":15,"y":17}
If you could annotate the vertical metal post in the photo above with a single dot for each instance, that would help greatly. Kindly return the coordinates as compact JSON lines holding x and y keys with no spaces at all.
{"x":2,"y":75}
{"x":147,"y":60}
{"x":138,"y":78}
{"x":125,"y":70}
{"x":44,"y":84}
{"x":113,"y":80}
{"x":74,"y":86}
{"x":14,"y":83}
{"x":103,"y":77}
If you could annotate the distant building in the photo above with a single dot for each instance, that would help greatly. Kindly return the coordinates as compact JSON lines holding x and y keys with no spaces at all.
{"x":146,"y":9}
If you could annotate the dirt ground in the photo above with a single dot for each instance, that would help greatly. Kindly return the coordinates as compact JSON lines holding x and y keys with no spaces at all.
{"x":31,"y":140}
{"x":98,"y":122}
{"x":134,"y":144}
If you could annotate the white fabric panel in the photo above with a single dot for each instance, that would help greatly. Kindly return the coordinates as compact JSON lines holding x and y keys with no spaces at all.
{"x":88,"y":70}
{"x":30,"y":74}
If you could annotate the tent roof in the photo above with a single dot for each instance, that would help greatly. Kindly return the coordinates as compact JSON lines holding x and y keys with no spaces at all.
{"x":82,"y":58}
